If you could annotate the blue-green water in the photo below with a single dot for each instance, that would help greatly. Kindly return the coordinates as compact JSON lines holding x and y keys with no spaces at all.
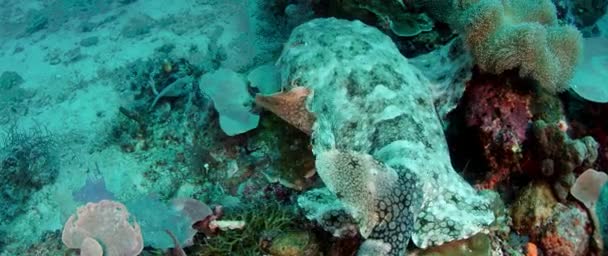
{"x":300,"y":127}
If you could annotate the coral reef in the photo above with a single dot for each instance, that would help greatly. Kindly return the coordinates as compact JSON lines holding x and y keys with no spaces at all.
{"x":583,"y":13}
{"x":559,"y":155}
{"x":559,"y":229}
{"x":380,"y":128}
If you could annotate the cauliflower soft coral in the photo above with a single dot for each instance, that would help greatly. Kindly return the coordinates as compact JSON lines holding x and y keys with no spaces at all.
{"x":515,"y":34}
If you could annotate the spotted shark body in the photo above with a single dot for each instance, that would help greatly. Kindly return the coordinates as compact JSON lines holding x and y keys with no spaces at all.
{"x":378,"y":141}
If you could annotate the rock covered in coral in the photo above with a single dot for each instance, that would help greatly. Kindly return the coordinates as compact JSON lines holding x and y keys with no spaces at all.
{"x":532,"y":208}
{"x":9,"y":79}
{"x":566,"y":232}
{"x":601,"y":209}
{"x":375,"y":109}
{"x":559,"y":153}
{"x":588,"y":118}
{"x":582,"y":13}
{"x":559,"y":229}
{"x":499,"y":113}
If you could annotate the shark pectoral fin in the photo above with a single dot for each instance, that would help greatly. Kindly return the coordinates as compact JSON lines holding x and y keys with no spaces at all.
{"x":384,"y":202}
{"x":289,"y":106}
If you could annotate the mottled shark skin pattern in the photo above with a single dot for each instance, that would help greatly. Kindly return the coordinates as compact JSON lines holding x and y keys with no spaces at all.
{"x":371,"y":105}
{"x":385,"y":203}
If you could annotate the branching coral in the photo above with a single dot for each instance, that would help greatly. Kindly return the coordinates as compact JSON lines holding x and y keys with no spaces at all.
{"x":515,"y":34}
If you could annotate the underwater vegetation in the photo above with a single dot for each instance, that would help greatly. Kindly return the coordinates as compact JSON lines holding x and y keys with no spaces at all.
{"x":304,"y":127}
{"x":28,"y":161}
{"x":264,"y":219}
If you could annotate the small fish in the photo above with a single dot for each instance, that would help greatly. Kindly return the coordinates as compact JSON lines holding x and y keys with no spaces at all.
{"x":177,"y":250}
